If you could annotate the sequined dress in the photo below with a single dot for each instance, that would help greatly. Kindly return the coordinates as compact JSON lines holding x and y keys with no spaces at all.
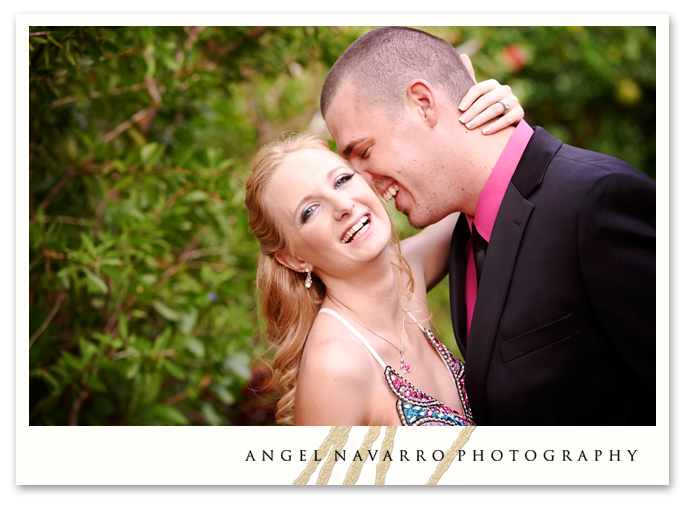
{"x":414,"y":407}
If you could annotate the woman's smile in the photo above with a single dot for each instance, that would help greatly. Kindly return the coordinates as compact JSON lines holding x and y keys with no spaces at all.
{"x":358,"y":230}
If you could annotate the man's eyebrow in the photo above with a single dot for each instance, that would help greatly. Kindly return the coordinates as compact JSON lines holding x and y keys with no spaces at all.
{"x":347,"y":150}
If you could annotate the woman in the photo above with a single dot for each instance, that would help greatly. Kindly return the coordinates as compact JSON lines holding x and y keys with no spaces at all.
{"x":343,"y":302}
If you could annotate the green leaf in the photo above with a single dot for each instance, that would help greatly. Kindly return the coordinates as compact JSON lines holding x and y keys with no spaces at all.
{"x":122,"y":326}
{"x":222,"y":393}
{"x":71,"y":361}
{"x":151,"y":61}
{"x":102,"y":338}
{"x":196,"y":196}
{"x":96,"y":281}
{"x":195,"y":346}
{"x":149,"y":278}
{"x":45,"y":375}
{"x":151,"y":160}
{"x":111,"y":261}
{"x":135,"y":213}
{"x":120,"y":166}
{"x":50,"y":38}
{"x":188,"y":319}
{"x":173,"y":369}
{"x":148,"y":150}
{"x":116,"y":275}
{"x":87,"y":350}
{"x":89,"y":245}
{"x":162,"y":339}
{"x":66,"y":271}
{"x":226,"y":163}
{"x":170,"y":414}
{"x":210,"y":415}
{"x":137,"y":137}
{"x":68,"y":55}
{"x":96,"y":383}
{"x":165,"y":311}
{"x":132,"y":370}
{"x":239,"y":364}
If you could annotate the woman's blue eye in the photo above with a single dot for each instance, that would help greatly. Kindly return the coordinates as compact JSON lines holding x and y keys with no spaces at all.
{"x":364,"y":153}
{"x":307,"y":213}
{"x":342,"y":179}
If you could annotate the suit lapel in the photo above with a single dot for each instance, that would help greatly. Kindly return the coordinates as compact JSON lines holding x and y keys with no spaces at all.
{"x":511,"y":222}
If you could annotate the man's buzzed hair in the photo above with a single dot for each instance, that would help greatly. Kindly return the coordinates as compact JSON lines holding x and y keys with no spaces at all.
{"x":384,"y":61}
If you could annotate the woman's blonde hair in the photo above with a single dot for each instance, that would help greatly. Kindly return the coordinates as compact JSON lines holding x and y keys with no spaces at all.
{"x":288,"y":307}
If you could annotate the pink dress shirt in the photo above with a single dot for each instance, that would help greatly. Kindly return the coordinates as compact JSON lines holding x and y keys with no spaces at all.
{"x":489,"y":204}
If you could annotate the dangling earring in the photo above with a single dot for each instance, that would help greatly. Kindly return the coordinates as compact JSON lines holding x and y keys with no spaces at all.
{"x":308,"y":279}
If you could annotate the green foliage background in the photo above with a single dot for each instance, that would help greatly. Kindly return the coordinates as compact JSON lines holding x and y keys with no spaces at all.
{"x":142,"y":307}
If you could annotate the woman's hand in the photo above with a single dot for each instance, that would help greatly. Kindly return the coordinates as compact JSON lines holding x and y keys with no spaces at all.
{"x":484,"y":101}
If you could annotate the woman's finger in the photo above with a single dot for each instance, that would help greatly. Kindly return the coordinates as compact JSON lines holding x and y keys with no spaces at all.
{"x":477,"y":90}
{"x":493,"y":111}
{"x":484,"y":102}
{"x":469,"y":66}
{"x":514,"y":116}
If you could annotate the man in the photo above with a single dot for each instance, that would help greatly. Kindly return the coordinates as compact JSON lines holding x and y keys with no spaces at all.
{"x":552,"y":263}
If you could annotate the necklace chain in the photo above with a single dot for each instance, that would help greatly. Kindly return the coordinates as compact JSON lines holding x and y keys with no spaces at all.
{"x":404,"y":366}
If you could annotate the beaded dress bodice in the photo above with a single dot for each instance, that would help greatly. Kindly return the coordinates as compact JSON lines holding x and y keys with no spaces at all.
{"x":416,"y":408}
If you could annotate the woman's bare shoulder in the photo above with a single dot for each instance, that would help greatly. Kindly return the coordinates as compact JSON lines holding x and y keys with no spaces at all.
{"x":332,"y":348}
{"x":334,"y":376}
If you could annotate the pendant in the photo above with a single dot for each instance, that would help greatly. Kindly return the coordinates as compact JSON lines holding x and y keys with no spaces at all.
{"x":406,"y":367}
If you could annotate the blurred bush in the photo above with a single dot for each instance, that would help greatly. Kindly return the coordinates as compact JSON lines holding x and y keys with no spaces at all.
{"x":142,"y":307}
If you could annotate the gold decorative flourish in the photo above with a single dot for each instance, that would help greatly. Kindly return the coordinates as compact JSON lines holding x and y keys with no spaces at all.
{"x":339,"y":440}
{"x":444,"y":464}
{"x":337,"y":437}
{"x":336,"y":440}
{"x":354,"y":471}
{"x":387,"y":446}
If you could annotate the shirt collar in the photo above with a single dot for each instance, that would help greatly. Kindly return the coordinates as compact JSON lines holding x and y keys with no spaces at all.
{"x":495,"y":188}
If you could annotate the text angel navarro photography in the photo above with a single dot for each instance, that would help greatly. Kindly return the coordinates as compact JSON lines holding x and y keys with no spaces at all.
{"x":548,"y":455}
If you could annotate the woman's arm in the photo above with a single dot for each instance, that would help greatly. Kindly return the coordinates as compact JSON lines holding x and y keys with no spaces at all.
{"x":427,"y":252}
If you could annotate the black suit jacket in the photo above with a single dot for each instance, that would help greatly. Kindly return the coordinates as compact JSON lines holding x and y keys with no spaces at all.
{"x":563,"y":331}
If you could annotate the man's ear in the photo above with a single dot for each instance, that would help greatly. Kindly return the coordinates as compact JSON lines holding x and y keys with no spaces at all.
{"x":292,"y":262}
{"x":421,"y":97}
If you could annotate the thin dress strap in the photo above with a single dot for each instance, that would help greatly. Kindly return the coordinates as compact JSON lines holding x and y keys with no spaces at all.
{"x":358,"y":335}
{"x":419,"y":325}
{"x":425,"y":333}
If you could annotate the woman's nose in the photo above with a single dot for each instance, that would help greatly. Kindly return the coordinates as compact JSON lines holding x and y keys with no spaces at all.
{"x":342,"y":207}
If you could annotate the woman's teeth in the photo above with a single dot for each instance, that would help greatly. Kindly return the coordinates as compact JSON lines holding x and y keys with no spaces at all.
{"x":356,"y":230}
{"x":391,"y":192}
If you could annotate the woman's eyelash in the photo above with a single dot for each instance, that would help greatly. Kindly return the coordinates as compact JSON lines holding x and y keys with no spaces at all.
{"x":343,"y":179}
